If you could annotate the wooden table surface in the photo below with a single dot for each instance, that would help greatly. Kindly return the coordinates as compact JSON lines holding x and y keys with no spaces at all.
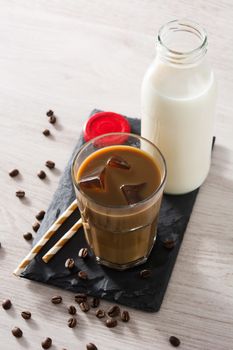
{"x":73,"y":56}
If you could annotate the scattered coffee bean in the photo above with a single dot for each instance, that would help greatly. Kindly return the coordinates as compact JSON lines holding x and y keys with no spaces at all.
{"x":174,"y":341}
{"x":46,"y":132}
{"x":52,"y":119}
{"x":80,"y":298}
{"x":91,"y":346}
{"x":6,"y":304}
{"x":145,"y":273}
{"x":57,"y":299}
{"x":114,"y":311}
{"x":49,"y":113}
{"x":169,"y":243}
{"x":72,"y":310}
{"x":40,"y":215}
{"x":95,"y":302}
{"x":100,"y":313}
{"x":84,"y":306}
{"x":27,"y":236}
{"x":125,"y":316}
{"x":83,"y":253}
{"x":72,"y":322}
{"x":50,"y":164}
{"x":47,"y":343}
{"x":26,"y":315}
{"x":69,"y":264}
{"x":83,"y":275}
{"x":16,"y":331}
{"x":36,"y":226}
{"x":111,"y":322}
{"x":20,"y":194}
{"x":41,"y":175}
{"x":14,"y":172}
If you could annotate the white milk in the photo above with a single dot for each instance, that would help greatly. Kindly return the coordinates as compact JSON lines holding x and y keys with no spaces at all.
{"x":178,"y":103}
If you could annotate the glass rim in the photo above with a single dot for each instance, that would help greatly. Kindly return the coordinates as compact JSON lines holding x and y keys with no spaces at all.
{"x":200,"y":32}
{"x":119,"y":207}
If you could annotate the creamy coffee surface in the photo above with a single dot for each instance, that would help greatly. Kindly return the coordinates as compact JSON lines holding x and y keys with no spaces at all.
{"x":118,"y":175}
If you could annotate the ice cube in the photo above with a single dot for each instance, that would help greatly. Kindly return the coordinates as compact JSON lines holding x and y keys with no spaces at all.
{"x":94,"y":180}
{"x":131,"y":192}
{"x":118,"y":162}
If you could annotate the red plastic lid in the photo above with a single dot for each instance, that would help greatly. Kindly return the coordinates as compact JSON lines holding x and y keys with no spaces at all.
{"x":105,"y":122}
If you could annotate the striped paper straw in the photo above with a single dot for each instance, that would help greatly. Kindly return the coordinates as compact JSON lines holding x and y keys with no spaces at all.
{"x":59,"y":244}
{"x":51,"y":231}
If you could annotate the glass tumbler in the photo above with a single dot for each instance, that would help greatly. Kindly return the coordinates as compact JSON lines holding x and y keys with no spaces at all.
{"x":120,"y":236}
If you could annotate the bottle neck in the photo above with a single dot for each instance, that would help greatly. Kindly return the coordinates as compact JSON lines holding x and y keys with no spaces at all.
{"x":182,"y":43}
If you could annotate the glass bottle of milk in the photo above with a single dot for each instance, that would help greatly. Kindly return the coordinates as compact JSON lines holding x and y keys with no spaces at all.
{"x":178,"y":103}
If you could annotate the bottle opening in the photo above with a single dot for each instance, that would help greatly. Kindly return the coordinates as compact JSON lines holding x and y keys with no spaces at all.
{"x":182,"y":41}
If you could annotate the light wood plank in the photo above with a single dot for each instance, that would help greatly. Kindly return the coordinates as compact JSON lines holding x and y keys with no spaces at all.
{"x":73,"y":56}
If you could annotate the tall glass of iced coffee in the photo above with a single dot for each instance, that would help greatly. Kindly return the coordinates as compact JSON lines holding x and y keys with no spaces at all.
{"x":119,"y":180}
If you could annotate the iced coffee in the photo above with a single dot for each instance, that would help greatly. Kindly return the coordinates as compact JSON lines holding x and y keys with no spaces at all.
{"x":119,"y":189}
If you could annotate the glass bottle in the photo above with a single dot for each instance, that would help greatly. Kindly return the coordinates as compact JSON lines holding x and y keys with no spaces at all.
{"x":178,"y":103}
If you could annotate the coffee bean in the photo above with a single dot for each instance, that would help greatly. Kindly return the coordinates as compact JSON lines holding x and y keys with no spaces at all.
{"x":114,"y":311}
{"x":174,"y":341}
{"x":6,"y":304}
{"x":169,"y":243}
{"x":80,"y":298}
{"x":47,"y":343}
{"x":26,"y":315}
{"x":36,"y":226}
{"x":84,"y":306}
{"x":91,"y":346}
{"x":50,"y":164}
{"x":46,"y":132}
{"x":52,"y":119}
{"x":16,"y":331}
{"x":50,"y":113}
{"x":72,"y":322}
{"x":57,"y":299}
{"x":27,"y":236}
{"x":145,"y":274}
{"x":83,"y":253}
{"x":72,"y":310}
{"x":41,"y":175}
{"x":111,"y":322}
{"x":14,"y":172}
{"x":83,"y":275}
{"x":125,"y":316}
{"x":69,"y":264}
{"x":100,"y":313}
{"x":0,"y":245}
{"x":95,"y":302}
{"x":20,"y":194}
{"x":40,"y":215}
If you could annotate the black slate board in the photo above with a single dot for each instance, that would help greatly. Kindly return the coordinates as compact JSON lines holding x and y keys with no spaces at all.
{"x":124,"y":287}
